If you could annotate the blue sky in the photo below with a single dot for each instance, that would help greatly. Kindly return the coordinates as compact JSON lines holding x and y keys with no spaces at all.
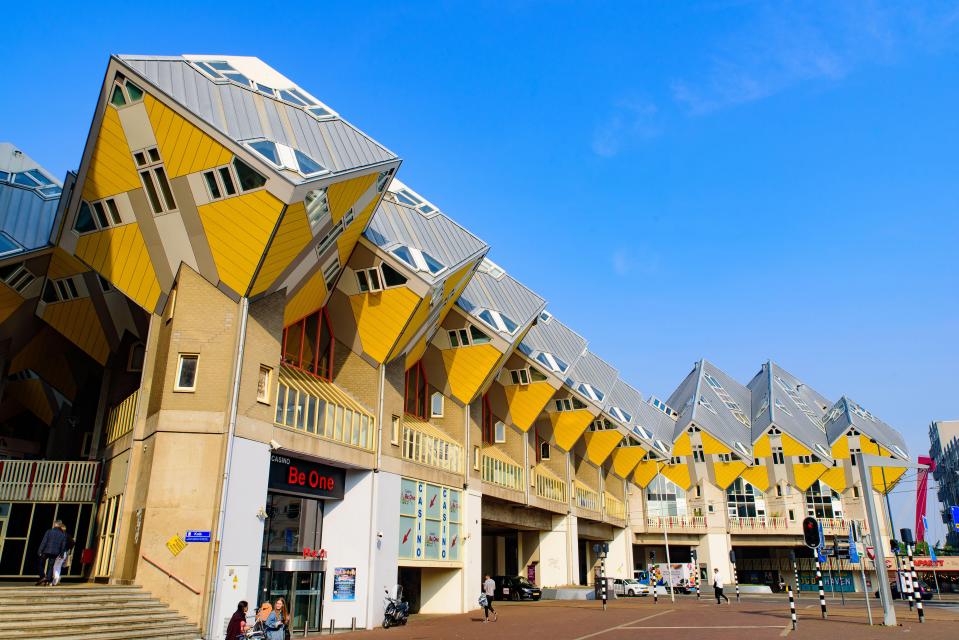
{"x":731,"y":180}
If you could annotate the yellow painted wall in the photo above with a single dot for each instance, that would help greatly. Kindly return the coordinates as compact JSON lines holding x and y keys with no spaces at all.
{"x":416,"y":318}
{"x":292,"y":235}
{"x":306,"y":300}
{"x":625,"y":460}
{"x":712,"y":445}
{"x":120,"y":255}
{"x":467,"y":368}
{"x":416,"y":352}
{"x":645,"y":471}
{"x":32,"y":397}
{"x":343,"y":195}
{"x":762,"y":448}
{"x":840,"y":448}
{"x":10,"y":301}
{"x":678,"y":473}
{"x":380,"y":318}
{"x":63,"y":265}
{"x":835,"y":477}
{"x":806,"y":474}
{"x":599,"y":444}
{"x":683,"y":446}
{"x":238,"y":230}
{"x":727,"y":472}
{"x":568,"y":426}
{"x":757,"y":476}
{"x":78,"y":321}
{"x":351,"y":235}
{"x":526,"y":402}
{"x":111,"y":168}
{"x":792,"y":447}
{"x":892,"y":477}
{"x":183,"y":147}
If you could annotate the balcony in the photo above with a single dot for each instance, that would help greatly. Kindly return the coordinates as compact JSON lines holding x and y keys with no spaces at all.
{"x":319,"y":408}
{"x":497,"y":468}
{"x":48,"y":480}
{"x":676,"y":523}
{"x":549,"y":486}
{"x":615,"y":508}
{"x":425,"y":444}
{"x":839,"y":525}
{"x":760,"y":523}
{"x":121,"y":418}
{"x":586,"y":498}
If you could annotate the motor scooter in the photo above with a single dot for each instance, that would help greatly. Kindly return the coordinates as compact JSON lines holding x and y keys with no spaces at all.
{"x":397,"y":611}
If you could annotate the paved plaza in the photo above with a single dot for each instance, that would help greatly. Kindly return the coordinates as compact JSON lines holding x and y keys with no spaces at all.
{"x":755,"y":618}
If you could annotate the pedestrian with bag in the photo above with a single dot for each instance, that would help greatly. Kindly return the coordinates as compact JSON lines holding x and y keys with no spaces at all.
{"x":718,"y":586}
{"x":62,"y":559}
{"x":54,"y":543}
{"x":486,"y":600}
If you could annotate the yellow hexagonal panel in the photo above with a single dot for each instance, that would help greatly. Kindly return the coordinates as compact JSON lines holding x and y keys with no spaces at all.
{"x":568,"y":426}
{"x":380,"y":318}
{"x":111,"y":169}
{"x":526,"y":402}
{"x":468,"y":367}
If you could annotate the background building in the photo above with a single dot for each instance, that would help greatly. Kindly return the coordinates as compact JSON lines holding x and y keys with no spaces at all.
{"x":944,"y":450}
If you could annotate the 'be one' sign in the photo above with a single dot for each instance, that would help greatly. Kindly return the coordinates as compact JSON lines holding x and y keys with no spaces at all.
{"x":294,"y":475}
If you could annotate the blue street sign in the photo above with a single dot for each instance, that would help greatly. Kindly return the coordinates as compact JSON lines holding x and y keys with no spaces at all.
{"x":197,"y":536}
{"x":853,"y":551}
{"x":822,"y":538}
{"x":955,"y":518}
{"x":820,"y":555}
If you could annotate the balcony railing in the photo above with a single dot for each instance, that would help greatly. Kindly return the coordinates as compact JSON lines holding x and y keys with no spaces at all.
{"x":615,"y":508}
{"x":759,"y":523}
{"x":586,"y":498}
{"x":496,"y":470}
{"x":549,"y":486}
{"x":121,"y":417}
{"x":679,"y":523}
{"x":431,"y":447}
{"x":839,"y":525}
{"x":317,"y":407}
{"x":48,"y":480}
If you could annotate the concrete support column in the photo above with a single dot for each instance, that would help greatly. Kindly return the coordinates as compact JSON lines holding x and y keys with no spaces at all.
{"x":713,"y":551}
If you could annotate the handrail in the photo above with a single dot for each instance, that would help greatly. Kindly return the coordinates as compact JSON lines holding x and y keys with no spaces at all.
{"x":170,"y":575}
{"x":505,"y":474}
{"x":48,"y":480}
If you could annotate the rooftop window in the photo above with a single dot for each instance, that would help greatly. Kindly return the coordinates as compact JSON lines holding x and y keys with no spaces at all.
{"x":793,"y":394}
{"x":221,"y":70}
{"x":8,"y":245}
{"x":620,"y":415}
{"x":662,"y":406}
{"x":124,"y":92}
{"x":418,"y":259}
{"x":284,"y":157}
{"x":494,"y":270}
{"x":33,"y":179}
{"x":554,"y":363}
{"x":545,"y":316}
{"x":781,"y":407}
{"x":707,"y":405}
{"x":590,"y":391}
{"x":410,"y":199}
{"x":498,"y":321}
{"x":727,"y":399}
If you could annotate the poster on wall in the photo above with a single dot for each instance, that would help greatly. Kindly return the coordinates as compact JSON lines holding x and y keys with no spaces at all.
{"x":429,"y":521}
{"x":344,"y":584}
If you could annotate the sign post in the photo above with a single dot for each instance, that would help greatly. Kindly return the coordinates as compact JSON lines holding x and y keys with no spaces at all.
{"x":652,"y":579}
{"x":932,"y":556}
{"x":854,"y":558}
{"x":795,"y":561}
{"x":732,"y":560}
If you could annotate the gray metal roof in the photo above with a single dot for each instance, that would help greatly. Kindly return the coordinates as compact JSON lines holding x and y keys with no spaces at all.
{"x":594,"y":371}
{"x":846,"y":413}
{"x":657,"y":422}
{"x":27,"y":214}
{"x":549,"y":335}
{"x":503,"y":294}
{"x":710,"y":410}
{"x":231,"y":109}
{"x":395,"y":224}
{"x":797,"y":409}
{"x":644,"y":421}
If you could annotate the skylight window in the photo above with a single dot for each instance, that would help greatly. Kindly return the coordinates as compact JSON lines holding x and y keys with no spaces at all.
{"x":662,"y":406}
{"x":8,"y":245}
{"x":707,"y":405}
{"x":317,"y":208}
{"x":494,"y":270}
{"x":727,"y":399}
{"x":418,"y":259}
{"x":221,"y":70}
{"x":793,"y":394}
{"x":554,"y":363}
{"x":498,"y":321}
{"x":591,"y":392}
{"x":284,"y":157}
{"x":545,"y":316}
{"x":620,"y":415}
{"x":410,"y":199}
{"x":781,"y":407}
{"x":33,"y":179}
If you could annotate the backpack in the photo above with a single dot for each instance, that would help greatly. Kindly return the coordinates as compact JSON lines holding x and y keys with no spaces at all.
{"x":482,"y":600}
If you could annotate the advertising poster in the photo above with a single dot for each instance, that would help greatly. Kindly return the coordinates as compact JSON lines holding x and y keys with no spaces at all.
{"x":344,"y":583}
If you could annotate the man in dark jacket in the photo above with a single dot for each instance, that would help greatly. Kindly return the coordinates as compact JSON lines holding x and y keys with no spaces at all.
{"x":53,"y":544}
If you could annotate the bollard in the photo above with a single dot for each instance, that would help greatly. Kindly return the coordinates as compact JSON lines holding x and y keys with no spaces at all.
{"x":914,"y":580}
{"x":306,"y":627}
{"x":332,"y":623}
{"x":822,"y":592}
{"x":602,"y":571}
{"x":696,"y":577}
{"x":907,"y":579}
{"x":353,"y":624}
{"x":792,"y":607}
{"x":736,"y":582}
{"x":652,"y":582}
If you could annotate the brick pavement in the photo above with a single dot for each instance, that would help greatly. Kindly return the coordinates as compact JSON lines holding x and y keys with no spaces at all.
{"x":687,"y":618}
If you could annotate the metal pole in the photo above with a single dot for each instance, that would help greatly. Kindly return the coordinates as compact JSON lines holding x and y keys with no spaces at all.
{"x":889,"y":613}
{"x":602,"y":575}
{"x":736,"y":581}
{"x":892,"y":529}
{"x":792,"y":607}
{"x":795,"y":574}
{"x":832,"y":582}
{"x":938,"y":593}
{"x":669,"y":567}
{"x":862,"y":568}
{"x":914,"y":580}
{"x":822,"y":593}
{"x":306,"y":627}
{"x":696,"y":576}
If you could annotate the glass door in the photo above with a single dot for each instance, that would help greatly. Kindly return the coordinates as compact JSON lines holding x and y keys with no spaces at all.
{"x":303,"y":592}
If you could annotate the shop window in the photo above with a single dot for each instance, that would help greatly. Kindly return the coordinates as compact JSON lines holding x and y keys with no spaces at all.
{"x":186,"y":372}
{"x":395,"y":431}
{"x":263,"y":384}
{"x":416,"y":392}
{"x":436,"y":405}
{"x":308,"y":345}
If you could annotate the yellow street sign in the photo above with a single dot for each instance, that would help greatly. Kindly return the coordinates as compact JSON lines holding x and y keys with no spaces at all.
{"x":176,"y":544}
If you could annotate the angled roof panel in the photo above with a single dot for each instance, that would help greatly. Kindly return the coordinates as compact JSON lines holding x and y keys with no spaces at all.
{"x":28,"y":206}
{"x":596,"y":372}
{"x":797,"y":409}
{"x":723,"y":423}
{"x":847,"y":413}
{"x":551,"y":336}
{"x":503,"y":294}
{"x":759,"y":412}
{"x":659,"y":424}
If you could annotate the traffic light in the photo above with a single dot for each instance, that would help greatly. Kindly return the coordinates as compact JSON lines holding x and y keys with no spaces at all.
{"x":810,"y":532}
{"x":894,"y":545}
{"x":906,"y":535}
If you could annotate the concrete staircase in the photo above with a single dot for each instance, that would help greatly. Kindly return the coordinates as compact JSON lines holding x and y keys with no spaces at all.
{"x":88,"y":612}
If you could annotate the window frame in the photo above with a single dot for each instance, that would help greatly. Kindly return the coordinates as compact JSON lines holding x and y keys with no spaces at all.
{"x":181,"y":358}
{"x":442,"y":404}
{"x":263,"y":395}
{"x":499,"y":432}
{"x":130,"y":359}
{"x":395,"y":429}
{"x":160,"y":191}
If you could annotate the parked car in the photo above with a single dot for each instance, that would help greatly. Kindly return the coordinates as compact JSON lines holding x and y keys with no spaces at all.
{"x":630,"y":587}
{"x":516,"y":588}
{"x":924,"y":591}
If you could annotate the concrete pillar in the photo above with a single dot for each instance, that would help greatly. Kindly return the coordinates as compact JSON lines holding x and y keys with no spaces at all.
{"x":572,"y":533}
{"x":500,"y":555}
{"x":619,"y":560}
{"x":713,"y":551}
{"x":554,"y":555}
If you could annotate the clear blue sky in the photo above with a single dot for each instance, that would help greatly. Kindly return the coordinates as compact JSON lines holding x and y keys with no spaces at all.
{"x":730,"y":180}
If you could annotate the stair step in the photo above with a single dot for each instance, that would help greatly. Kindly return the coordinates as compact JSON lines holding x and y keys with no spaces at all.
{"x":77,"y":609}
{"x":149,"y":629}
{"x":103,"y":620}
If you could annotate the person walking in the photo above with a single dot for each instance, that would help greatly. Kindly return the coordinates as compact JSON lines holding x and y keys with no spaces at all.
{"x":237,"y":625}
{"x":718,"y":586}
{"x":489,"y":590}
{"x":54,"y":543}
{"x":61,"y":560}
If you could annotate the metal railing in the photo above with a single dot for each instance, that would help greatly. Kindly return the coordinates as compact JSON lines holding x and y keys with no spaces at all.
{"x":758,"y":523}
{"x":321,"y":417}
{"x":679,"y":523}
{"x":586,"y":498}
{"x":549,"y":487}
{"x":424,"y":448}
{"x":48,"y":480}
{"x":121,"y":417}
{"x":840,"y":525}
{"x":502,"y":473}
{"x":615,"y":508}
